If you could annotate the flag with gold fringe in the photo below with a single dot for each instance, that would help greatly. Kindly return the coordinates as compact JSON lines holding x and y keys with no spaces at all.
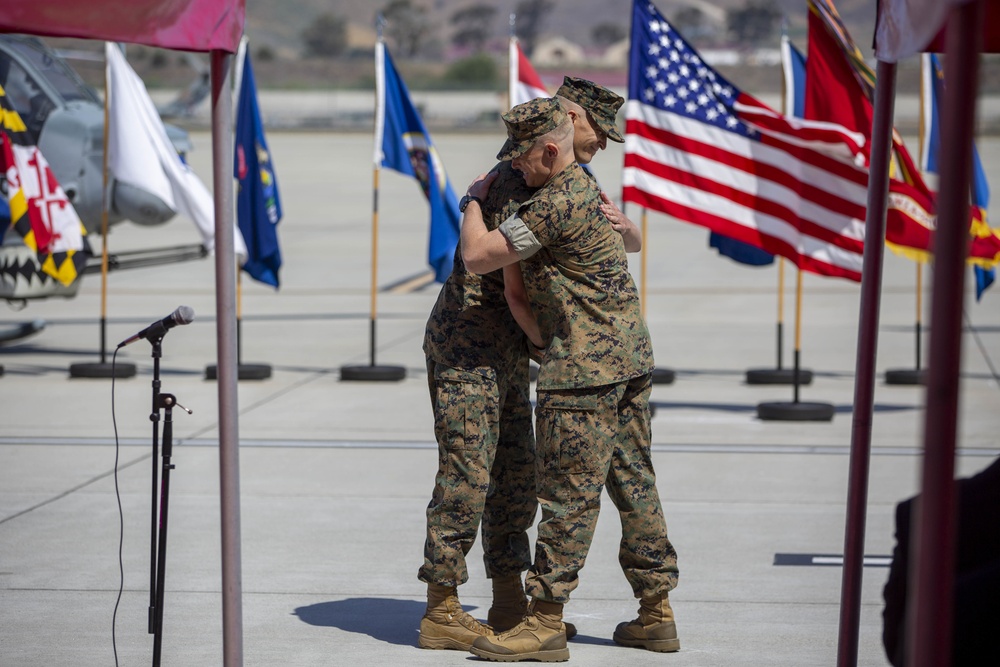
{"x":840,"y":88}
{"x":39,"y":209}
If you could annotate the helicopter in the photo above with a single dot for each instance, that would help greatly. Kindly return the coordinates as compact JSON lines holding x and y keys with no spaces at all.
{"x":65,"y":118}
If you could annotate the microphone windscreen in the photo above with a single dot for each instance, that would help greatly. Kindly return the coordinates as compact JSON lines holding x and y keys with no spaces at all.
{"x":184,"y":315}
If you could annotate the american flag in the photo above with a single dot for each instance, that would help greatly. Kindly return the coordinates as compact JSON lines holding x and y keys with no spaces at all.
{"x":699,"y":149}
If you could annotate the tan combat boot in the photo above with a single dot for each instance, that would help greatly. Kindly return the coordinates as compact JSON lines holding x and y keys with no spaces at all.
{"x":446,"y":625}
{"x":540,"y":636}
{"x":653,"y":630}
{"x":510,"y":605}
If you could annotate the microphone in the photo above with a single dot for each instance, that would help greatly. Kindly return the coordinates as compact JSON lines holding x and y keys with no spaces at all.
{"x":183,"y":315}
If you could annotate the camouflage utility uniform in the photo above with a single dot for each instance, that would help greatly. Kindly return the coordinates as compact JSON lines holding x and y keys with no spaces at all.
{"x":592,"y":419}
{"x":477,"y":371}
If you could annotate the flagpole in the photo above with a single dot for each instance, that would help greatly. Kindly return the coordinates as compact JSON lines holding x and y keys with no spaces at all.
{"x":915,"y":376}
{"x":254,"y":371}
{"x":512,"y":63}
{"x":781,"y":309}
{"x":239,"y":317}
{"x":798,"y":336}
{"x":659,"y":375}
{"x":227,"y":390}
{"x":101,"y":369}
{"x":373,"y":286}
{"x":930,"y":604}
{"x":797,"y":410}
{"x":864,"y":376}
{"x":778,"y":374}
{"x":920,"y":310}
{"x":237,"y":84}
{"x":642,"y":282}
{"x":104,"y":227}
{"x":373,"y":372}
{"x":788,"y":105}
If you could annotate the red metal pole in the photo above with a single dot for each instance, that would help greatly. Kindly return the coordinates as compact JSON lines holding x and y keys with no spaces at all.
{"x":864,"y":376}
{"x":932,"y":568}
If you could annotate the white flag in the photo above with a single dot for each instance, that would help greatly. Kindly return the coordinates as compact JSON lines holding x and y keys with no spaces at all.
{"x":140,"y":153}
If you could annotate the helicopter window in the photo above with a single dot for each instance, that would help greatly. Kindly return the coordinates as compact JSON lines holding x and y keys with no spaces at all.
{"x":24,"y":94}
{"x":54,"y":69}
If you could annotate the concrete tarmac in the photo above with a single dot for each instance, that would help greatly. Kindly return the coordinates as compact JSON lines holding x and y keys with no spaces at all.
{"x":335,"y":476}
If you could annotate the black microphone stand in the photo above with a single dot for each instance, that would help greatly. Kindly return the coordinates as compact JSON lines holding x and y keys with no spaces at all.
{"x":158,"y":523}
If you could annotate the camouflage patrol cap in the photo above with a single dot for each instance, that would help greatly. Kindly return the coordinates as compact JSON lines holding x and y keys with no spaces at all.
{"x":527,"y":122}
{"x":599,"y":102}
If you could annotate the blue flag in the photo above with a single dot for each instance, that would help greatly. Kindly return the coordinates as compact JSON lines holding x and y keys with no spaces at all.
{"x":406,"y":147}
{"x":258,"y":206}
{"x":793,"y":65}
{"x":934,"y":84}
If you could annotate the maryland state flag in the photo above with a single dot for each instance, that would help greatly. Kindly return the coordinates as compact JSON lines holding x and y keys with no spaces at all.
{"x":39,"y":209}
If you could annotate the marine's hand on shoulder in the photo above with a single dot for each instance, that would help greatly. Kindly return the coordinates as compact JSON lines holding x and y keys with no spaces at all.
{"x":480,"y":187}
{"x":621,"y":224}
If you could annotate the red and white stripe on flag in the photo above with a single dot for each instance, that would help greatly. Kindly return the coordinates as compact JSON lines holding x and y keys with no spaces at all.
{"x":525,"y":84}
{"x":790,"y":201}
{"x":700,"y":150}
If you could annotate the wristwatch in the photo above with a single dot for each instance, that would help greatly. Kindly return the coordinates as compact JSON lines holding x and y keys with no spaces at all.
{"x":464,"y":202}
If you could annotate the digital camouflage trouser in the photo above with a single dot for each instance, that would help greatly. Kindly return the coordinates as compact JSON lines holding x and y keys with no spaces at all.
{"x":587,"y":440}
{"x":486,"y":471}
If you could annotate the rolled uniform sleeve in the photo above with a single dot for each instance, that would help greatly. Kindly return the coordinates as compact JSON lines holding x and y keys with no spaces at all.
{"x":524,"y":241}
{"x":536,"y":225}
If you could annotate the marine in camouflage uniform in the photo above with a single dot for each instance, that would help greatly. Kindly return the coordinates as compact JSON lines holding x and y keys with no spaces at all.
{"x":477,"y":372}
{"x":592,"y":419}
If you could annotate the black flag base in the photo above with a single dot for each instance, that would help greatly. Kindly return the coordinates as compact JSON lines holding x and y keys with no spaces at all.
{"x":795,"y":412}
{"x":663,"y":376}
{"x":905,"y":376}
{"x":778,"y":376}
{"x":102,"y":370}
{"x":243,"y":372}
{"x":372,"y":373}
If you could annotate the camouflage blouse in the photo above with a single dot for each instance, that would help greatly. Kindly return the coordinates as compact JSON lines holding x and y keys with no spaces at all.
{"x":580,"y":288}
{"x":470,"y":325}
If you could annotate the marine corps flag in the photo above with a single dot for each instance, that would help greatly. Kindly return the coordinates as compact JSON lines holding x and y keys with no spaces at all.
{"x":403,"y":144}
{"x":39,"y":209}
{"x":258,"y":206}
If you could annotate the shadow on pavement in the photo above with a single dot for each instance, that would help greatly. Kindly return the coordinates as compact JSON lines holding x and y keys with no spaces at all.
{"x":386,"y":619}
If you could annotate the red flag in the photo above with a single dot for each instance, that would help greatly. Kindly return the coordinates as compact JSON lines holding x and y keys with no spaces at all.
{"x":189,"y":25}
{"x":699,"y":149}
{"x":832,"y":93}
{"x":839,"y":90}
{"x":525,"y":84}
